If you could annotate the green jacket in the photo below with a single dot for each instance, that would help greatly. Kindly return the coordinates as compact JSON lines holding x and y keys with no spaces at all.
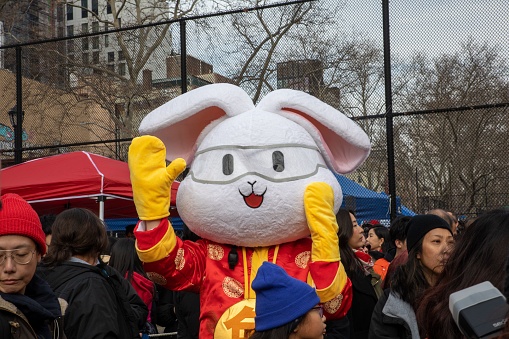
{"x":13,"y":322}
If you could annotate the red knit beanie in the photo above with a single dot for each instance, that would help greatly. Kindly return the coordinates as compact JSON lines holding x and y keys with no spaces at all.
{"x":17,"y":217}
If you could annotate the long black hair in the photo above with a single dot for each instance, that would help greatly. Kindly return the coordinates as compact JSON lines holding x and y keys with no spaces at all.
{"x":125,"y":259}
{"x":409,"y":281}
{"x":352,"y":264}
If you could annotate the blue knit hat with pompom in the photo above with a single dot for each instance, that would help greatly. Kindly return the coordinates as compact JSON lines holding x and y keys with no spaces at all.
{"x":280,"y":298}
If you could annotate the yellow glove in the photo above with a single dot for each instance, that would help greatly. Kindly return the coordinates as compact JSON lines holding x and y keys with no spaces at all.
{"x":150,"y":178}
{"x":319,"y":208}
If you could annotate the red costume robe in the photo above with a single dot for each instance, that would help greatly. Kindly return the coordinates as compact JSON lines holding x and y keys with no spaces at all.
{"x":226,"y":297}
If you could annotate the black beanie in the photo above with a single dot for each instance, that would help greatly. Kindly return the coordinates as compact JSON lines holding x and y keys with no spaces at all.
{"x":422,"y":224}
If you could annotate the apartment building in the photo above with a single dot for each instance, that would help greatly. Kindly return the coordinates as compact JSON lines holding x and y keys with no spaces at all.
{"x":93,"y":16}
{"x":26,"y":21}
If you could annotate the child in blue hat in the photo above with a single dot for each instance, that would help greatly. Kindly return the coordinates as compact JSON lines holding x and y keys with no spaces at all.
{"x":285,"y":307}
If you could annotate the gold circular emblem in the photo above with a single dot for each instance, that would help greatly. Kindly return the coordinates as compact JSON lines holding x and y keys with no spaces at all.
{"x":232,"y":288}
{"x":302,"y":259}
{"x":333,"y":305}
{"x":179,"y":259}
{"x":157,"y":278}
{"x":237,"y":322}
{"x":216,"y":252}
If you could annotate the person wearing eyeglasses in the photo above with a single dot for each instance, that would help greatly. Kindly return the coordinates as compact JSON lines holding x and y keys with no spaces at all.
{"x":285,"y":307}
{"x":28,"y":306}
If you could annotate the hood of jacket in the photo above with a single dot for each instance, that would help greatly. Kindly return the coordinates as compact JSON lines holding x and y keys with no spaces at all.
{"x":58,"y":275}
{"x":39,"y":305}
{"x":395,"y":307}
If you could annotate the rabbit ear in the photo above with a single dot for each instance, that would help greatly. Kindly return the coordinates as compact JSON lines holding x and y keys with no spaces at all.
{"x":342,"y":142}
{"x":179,"y":122}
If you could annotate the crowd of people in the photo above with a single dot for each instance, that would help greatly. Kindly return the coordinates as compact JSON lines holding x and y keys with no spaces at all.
{"x":55,"y":284}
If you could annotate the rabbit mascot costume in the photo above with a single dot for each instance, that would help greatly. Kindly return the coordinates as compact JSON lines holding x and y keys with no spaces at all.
{"x":260,"y":187}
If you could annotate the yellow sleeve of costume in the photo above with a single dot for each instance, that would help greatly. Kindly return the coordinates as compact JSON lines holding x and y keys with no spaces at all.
{"x":157,"y":243}
{"x":326,"y":270}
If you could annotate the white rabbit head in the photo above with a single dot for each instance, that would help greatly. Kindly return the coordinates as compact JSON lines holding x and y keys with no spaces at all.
{"x":249,"y":166}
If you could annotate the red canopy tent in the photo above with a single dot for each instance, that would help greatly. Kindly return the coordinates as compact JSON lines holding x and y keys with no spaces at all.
{"x":77,"y":179}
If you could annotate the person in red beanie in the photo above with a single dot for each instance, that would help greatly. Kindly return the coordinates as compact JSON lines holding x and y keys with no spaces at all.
{"x":28,"y":306}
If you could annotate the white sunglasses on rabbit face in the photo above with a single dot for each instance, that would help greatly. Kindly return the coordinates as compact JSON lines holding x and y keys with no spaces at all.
{"x":275,"y":163}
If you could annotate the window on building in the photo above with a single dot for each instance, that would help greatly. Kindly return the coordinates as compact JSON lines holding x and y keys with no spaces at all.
{"x":95,"y":26}
{"x":95,"y":57}
{"x":84,"y":58}
{"x":84,"y":28}
{"x":95,"y":7}
{"x":84,"y":43}
{"x":69,"y":12}
{"x":111,"y":56}
{"x":119,"y":22}
{"x":84,"y":8}
{"x":60,"y":31}
{"x":121,"y":55}
{"x":121,"y":69}
{"x":106,"y":40}
{"x":108,"y":8}
{"x":95,"y":42}
{"x":70,"y":30}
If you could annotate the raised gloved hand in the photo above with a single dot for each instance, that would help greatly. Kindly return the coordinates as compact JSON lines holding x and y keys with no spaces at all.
{"x":151,"y":179}
{"x":319,"y":208}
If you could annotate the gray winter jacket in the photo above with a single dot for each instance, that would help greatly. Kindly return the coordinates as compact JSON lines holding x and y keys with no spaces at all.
{"x":393,"y":318}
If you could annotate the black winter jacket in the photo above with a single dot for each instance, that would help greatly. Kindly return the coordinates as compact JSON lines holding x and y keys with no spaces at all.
{"x":100,"y":302}
{"x":363,"y":303}
{"x":393,"y":318}
{"x":187,"y":309}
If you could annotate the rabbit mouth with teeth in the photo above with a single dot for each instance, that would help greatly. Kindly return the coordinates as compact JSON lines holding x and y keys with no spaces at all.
{"x":253,"y":200}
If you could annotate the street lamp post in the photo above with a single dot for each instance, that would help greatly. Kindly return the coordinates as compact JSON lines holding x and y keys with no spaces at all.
{"x":16,"y":116}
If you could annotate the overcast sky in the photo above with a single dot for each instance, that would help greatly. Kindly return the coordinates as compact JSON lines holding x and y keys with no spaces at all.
{"x":433,"y":26}
{"x":430,"y":26}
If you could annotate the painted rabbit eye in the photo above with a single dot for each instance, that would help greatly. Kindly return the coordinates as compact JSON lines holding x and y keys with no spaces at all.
{"x":227,"y":164}
{"x":278,"y":161}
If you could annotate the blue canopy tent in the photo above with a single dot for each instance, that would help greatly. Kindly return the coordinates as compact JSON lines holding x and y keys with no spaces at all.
{"x":368,"y":204}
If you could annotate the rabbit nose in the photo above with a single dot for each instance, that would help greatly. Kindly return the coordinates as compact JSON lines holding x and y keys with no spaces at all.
{"x":251,"y":183}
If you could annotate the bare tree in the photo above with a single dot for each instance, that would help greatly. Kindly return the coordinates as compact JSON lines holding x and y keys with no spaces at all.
{"x":459,"y":156}
{"x":261,"y":39}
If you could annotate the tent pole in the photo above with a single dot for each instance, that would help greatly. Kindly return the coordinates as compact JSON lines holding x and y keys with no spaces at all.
{"x":101,"y":200}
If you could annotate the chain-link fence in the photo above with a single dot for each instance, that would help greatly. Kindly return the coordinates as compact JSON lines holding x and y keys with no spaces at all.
{"x":90,"y":84}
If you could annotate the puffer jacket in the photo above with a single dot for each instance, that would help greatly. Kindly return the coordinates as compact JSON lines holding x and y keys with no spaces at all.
{"x":393,"y":318}
{"x":100,"y":303}
{"x":36,"y":314}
